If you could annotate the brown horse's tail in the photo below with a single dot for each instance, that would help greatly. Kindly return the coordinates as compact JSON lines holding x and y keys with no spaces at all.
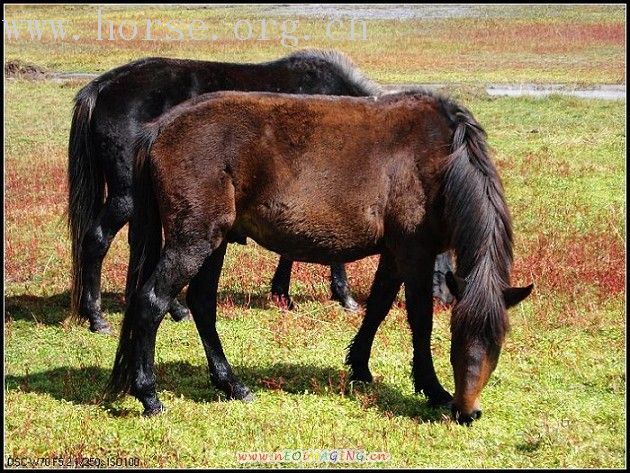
{"x":146,"y":226}
{"x":480,"y":230}
{"x":86,"y":183}
{"x":145,"y":248}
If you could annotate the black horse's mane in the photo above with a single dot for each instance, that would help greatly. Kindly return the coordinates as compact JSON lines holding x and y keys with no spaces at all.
{"x":344,"y":65}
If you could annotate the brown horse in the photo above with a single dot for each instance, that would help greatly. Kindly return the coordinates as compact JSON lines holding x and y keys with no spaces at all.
{"x":323,"y":180}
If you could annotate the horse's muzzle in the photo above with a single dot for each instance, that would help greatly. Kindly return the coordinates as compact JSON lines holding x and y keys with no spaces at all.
{"x":465,"y":419}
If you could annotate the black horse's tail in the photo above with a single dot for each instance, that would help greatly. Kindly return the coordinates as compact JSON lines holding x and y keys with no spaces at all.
{"x":86,"y":183}
{"x":147,"y":245}
{"x":480,"y":230}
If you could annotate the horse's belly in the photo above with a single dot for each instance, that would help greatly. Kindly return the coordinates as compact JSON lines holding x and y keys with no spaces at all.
{"x":318,"y":233}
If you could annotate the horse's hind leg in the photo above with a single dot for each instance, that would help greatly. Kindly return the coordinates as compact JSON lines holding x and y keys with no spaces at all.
{"x":147,"y":308}
{"x":202,"y":300}
{"x":177,"y":310}
{"x":443,"y":264}
{"x":419,"y":299}
{"x":384,"y":289}
{"x":338,"y":285}
{"x":340,"y":288}
{"x":280,"y":283}
{"x":115,"y":213}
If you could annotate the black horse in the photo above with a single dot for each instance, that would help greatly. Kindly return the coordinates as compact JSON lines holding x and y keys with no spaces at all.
{"x":322,"y":180}
{"x":111,"y":108}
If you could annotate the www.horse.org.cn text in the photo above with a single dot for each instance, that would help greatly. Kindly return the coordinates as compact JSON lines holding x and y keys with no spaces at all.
{"x":290,"y":33}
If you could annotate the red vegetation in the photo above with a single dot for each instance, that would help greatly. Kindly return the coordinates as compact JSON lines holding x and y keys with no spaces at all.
{"x":44,"y":185}
{"x":37,"y":199}
{"x":545,"y":37}
{"x":274,"y":384}
{"x":33,"y":200}
{"x":555,"y":264}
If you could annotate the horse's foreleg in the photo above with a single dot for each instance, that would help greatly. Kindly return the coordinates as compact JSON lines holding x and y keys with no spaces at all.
{"x":340,"y":288}
{"x":419,"y":300}
{"x":280,"y":283}
{"x":202,"y":300}
{"x":382,"y":294}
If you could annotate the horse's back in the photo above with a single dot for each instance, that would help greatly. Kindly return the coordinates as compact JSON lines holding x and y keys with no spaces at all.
{"x":146,"y":88}
{"x":311,"y":177}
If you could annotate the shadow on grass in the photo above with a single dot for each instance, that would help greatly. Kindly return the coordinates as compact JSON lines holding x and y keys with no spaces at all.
{"x":52,"y":310}
{"x":85,"y":386}
{"x":263,"y":299}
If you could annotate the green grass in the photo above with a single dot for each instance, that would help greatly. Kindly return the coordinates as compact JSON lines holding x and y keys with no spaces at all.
{"x":556,"y":399}
{"x":581,"y":44}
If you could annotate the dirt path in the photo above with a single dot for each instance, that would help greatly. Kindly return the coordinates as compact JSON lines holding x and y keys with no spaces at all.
{"x":595,"y":91}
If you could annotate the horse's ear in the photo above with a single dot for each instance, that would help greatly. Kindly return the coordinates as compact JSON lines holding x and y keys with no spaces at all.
{"x":514,"y":295}
{"x":455,"y":284}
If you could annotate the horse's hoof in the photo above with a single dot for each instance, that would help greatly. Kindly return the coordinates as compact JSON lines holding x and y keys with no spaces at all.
{"x":153,"y":411}
{"x":443,"y":399}
{"x":249,"y":398}
{"x":152,"y":406}
{"x":445,"y":299}
{"x":283,"y":301}
{"x":362,"y":375}
{"x":350,"y":305}
{"x":101,"y":326}
{"x":242,"y":393}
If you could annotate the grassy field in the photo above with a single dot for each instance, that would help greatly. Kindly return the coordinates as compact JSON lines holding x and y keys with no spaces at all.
{"x":557,"y":398}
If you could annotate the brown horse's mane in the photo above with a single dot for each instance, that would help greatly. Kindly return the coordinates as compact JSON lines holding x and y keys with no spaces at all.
{"x":483,"y":239}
